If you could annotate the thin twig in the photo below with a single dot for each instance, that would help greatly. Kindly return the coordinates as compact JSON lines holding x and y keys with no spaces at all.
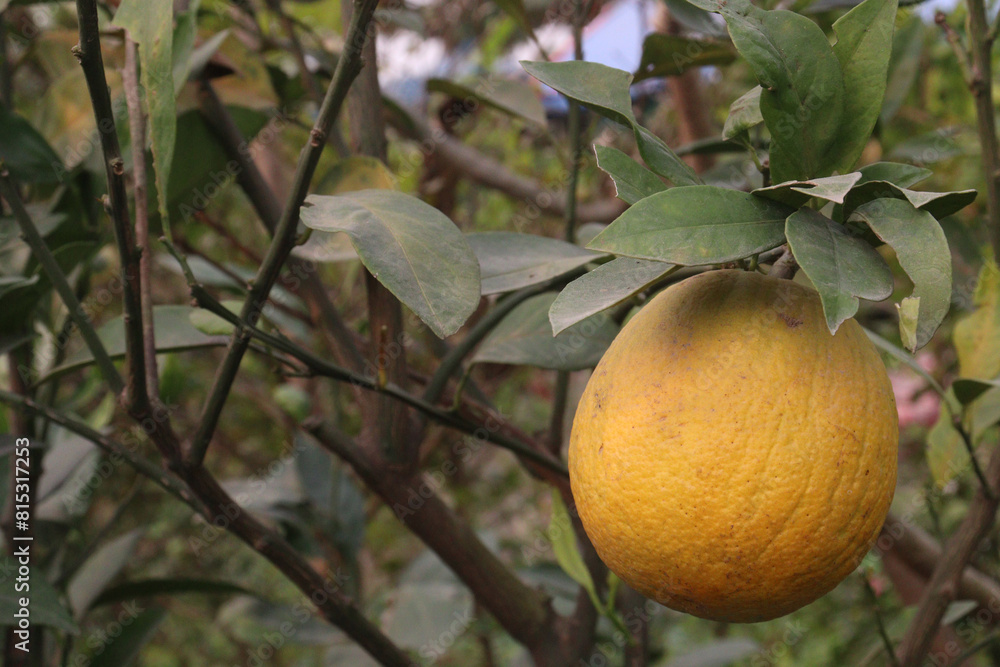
{"x":971,"y":450}
{"x":452,"y":362}
{"x":348,"y":67}
{"x":324,"y":368}
{"x":268,"y":208}
{"x":879,"y":622}
{"x":201,"y":492}
{"x":45,"y":257}
{"x":140,"y":189}
{"x":308,"y":80}
{"x":168,"y":482}
{"x":955,"y":42}
{"x":561,"y":390}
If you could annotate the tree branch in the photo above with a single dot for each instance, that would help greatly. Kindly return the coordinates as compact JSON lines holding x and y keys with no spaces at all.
{"x":168,"y":482}
{"x":524,"y":612}
{"x":268,"y":208}
{"x":922,"y":552}
{"x":324,"y":368}
{"x":88,"y":52}
{"x":137,"y":133}
{"x":348,"y":67}
{"x":981,"y":85}
{"x":202,"y":493}
{"x":386,"y":421}
{"x":48,"y":261}
{"x":484,"y":170}
{"x":944,"y":582}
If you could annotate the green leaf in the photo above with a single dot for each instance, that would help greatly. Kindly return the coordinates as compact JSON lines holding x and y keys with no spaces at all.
{"x":150,"y":23}
{"x":931,"y":147}
{"x":563,"y":538}
{"x":505,"y":95}
{"x":744,"y":114}
{"x":938,"y":204}
{"x":45,"y":607}
{"x":699,"y":224}
{"x":803,"y":89}
{"x":907,"y":359}
{"x":670,"y":55}
{"x":904,"y":66}
{"x":947,"y":455}
{"x":510,"y":261}
{"x":864,"y":44}
{"x":515,"y":9}
{"x":922,"y":251}
{"x":840,"y":266}
{"x":200,"y":165}
{"x":695,"y":18}
{"x":198,"y":58}
{"x":662,"y":160}
{"x":25,"y":152}
{"x":412,"y":248}
{"x":124,"y":648}
{"x":968,"y":389}
{"x":99,"y":570}
{"x":897,"y":173}
{"x":977,"y":335}
{"x":909,"y":314}
{"x":524,"y":337}
{"x":174,"y":333}
{"x":604,"y":287}
{"x":632,"y":181}
{"x":357,"y":172}
{"x":149,"y":588}
{"x":605,"y":90}
{"x":958,"y":610}
{"x":211,"y":324}
{"x":797,"y":193}
{"x":185,"y":32}
{"x":602,"y":89}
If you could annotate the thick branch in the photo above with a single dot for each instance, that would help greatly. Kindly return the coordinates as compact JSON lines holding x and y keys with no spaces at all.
{"x":137,"y":132}
{"x":348,"y":67}
{"x":88,"y":52}
{"x":203,"y":494}
{"x":524,"y":612}
{"x":944,"y":582}
{"x":385,"y":420}
{"x":922,"y":552}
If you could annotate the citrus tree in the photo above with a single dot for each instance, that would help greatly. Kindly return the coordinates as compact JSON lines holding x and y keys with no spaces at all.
{"x":295,"y":360}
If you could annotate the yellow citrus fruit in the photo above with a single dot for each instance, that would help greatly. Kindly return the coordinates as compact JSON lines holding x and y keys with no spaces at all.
{"x":729,"y":457}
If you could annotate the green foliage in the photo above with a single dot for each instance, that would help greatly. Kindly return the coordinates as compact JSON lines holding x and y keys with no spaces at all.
{"x":694,"y":225}
{"x":411,"y":247}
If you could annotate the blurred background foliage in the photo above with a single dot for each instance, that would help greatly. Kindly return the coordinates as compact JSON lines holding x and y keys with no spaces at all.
{"x":198,"y":596}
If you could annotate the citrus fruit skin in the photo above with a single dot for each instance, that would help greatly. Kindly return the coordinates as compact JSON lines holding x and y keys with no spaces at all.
{"x":729,"y":457}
